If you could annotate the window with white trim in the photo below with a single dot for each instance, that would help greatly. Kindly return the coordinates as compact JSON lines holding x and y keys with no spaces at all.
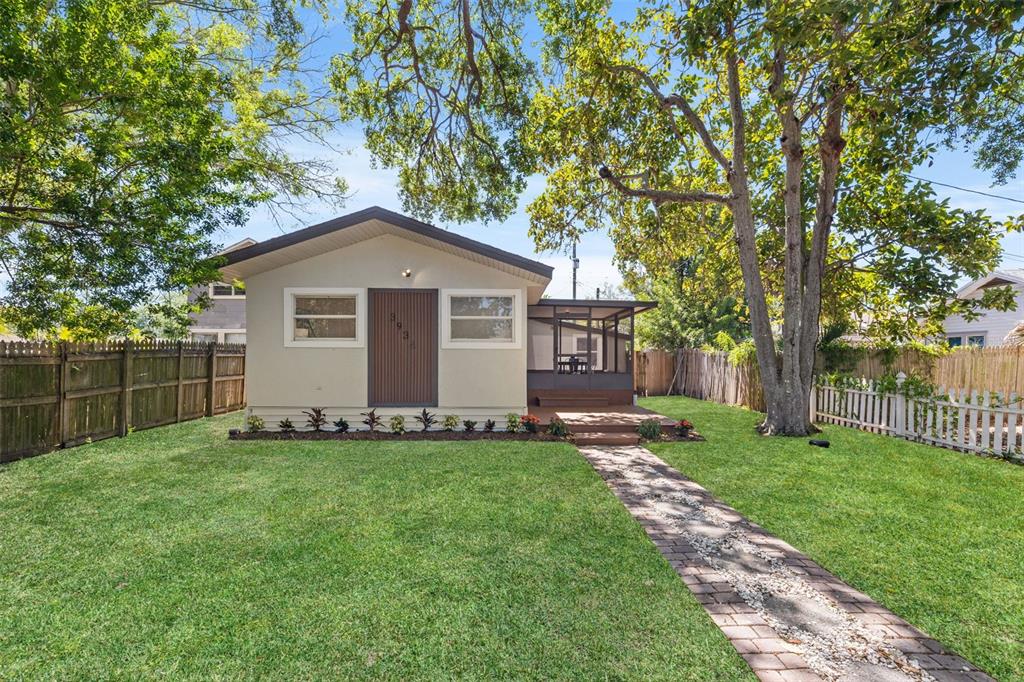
{"x":328,"y":317}
{"x":481,"y":318}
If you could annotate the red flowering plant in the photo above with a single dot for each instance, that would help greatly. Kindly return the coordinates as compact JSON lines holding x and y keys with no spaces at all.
{"x":683,"y":427}
{"x":530,"y":422}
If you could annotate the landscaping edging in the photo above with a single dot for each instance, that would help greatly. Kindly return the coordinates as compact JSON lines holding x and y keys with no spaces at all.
{"x":423,"y":435}
{"x":385,"y":435}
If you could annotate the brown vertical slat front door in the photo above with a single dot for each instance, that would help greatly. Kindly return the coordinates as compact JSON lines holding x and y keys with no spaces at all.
{"x":403,"y":347}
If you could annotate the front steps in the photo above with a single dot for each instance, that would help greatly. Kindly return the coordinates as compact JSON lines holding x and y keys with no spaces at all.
{"x":572,"y":401}
{"x":621,"y":438}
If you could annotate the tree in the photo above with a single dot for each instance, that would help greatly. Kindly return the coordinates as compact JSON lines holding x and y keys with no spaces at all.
{"x":796,"y":124}
{"x":130,"y":132}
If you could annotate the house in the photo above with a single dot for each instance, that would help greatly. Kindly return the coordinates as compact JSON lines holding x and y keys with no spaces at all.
{"x":377,"y":310}
{"x":224,"y":320}
{"x":991,"y":327}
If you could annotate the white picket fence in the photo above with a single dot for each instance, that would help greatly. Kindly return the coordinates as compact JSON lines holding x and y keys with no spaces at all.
{"x":980,"y":422}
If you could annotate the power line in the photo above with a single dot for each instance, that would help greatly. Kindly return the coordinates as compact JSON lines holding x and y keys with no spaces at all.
{"x":964,"y":189}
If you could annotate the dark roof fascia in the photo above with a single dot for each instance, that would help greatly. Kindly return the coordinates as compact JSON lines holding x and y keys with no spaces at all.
{"x":396,"y":219}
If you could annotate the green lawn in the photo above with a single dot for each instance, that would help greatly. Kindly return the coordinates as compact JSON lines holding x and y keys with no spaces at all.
{"x":175,"y":553}
{"x":937,"y":536}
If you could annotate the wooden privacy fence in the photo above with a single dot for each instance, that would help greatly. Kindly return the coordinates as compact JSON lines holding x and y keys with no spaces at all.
{"x":984,"y":422}
{"x":63,"y":394}
{"x":699,"y":374}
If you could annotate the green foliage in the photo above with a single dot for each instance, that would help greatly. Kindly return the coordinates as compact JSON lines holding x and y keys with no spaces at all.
{"x":396,"y":424}
{"x":512,"y":422}
{"x":450,"y":422}
{"x":130,"y":134}
{"x":649,"y":429}
{"x":286,"y":426}
{"x":372,"y":420}
{"x":453,"y":75}
{"x":469,"y":425}
{"x":489,"y":425}
{"x":316,"y":418}
{"x":770,"y":144}
{"x":557,"y":427}
{"x":341,"y":425}
{"x":254,"y":423}
{"x":530,"y":423}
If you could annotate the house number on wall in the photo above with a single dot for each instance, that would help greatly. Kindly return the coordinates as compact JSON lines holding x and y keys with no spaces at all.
{"x":398,"y":325}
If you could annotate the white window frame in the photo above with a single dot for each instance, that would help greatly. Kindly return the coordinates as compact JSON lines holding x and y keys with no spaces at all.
{"x":290,"y":293}
{"x":518,"y":316}
{"x":974,"y":335}
{"x":212,"y":295}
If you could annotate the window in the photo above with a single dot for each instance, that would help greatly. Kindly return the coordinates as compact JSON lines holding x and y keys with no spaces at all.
{"x":978,"y":341}
{"x":224,"y":290}
{"x":235,"y":337}
{"x":481,"y":319}
{"x":204,"y":338}
{"x":324,"y":317}
{"x":955,"y":341}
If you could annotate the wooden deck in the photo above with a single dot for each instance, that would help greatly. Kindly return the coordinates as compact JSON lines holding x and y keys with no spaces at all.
{"x":611,"y":425}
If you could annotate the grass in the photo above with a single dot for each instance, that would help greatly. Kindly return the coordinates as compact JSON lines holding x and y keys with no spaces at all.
{"x":935,"y":535}
{"x":176,"y":553}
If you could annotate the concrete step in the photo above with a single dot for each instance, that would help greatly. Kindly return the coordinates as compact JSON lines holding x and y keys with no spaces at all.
{"x":574,"y":401}
{"x":607,"y":438}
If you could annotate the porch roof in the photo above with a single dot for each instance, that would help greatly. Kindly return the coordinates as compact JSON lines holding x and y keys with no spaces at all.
{"x":596,"y":309}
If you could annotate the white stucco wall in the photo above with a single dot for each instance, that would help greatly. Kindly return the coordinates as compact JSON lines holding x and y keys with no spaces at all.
{"x":994,"y":325}
{"x":282,"y":381}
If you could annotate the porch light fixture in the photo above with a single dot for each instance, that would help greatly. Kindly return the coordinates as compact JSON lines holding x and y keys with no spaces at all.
{"x":407,"y":272}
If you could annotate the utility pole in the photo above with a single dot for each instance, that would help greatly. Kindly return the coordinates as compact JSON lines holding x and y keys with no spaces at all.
{"x":575,"y":267}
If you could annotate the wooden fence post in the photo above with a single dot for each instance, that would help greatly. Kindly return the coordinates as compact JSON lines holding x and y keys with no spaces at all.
{"x":127,"y":380}
{"x":211,"y":375}
{"x":62,"y":391}
{"x":181,"y":381}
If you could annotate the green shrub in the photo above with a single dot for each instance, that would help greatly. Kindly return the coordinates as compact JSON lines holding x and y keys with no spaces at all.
{"x":340,"y":425}
{"x":469,"y":425}
{"x":254,"y":423}
{"x":489,"y":425}
{"x":397,"y":424}
{"x":511,"y":422}
{"x":530,"y":422}
{"x":558,"y":428}
{"x":650,"y":429}
{"x":286,"y":425}
{"x":450,"y":422}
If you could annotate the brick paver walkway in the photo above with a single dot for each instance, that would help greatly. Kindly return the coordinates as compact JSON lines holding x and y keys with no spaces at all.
{"x":788,"y":617}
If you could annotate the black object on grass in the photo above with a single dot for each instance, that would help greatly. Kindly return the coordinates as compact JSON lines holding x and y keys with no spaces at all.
{"x":819,"y":443}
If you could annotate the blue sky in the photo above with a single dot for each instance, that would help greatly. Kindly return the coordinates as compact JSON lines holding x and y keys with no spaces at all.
{"x":376,"y":186}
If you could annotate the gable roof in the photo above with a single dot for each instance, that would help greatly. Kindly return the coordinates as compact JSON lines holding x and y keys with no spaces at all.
{"x":366,"y":224}
{"x":1012,"y":276}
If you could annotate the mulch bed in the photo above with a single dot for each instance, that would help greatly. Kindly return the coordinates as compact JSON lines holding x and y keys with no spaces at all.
{"x":384,"y":435}
{"x":676,"y":438}
{"x":422,"y":435}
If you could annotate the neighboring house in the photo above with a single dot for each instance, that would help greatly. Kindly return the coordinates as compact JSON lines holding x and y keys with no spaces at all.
{"x":377,"y":310}
{"x":224,"y":320}
{"x":992,"y":326}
